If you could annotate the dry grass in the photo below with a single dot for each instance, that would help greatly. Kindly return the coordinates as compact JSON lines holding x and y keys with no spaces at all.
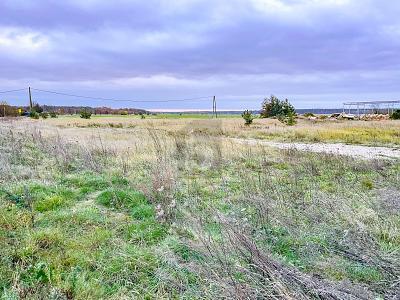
{"x":172,"y":209}
{"x":385,"y":132}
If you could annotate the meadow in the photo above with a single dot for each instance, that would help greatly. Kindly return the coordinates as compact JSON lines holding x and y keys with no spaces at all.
{"x":173,"y":208}
{"x":378,"y":133}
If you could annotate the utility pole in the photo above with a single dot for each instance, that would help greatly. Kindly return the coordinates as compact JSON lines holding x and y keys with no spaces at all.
{"x":215,"y":107}
{"x":213,"y":104}
{"x":30,"y":98}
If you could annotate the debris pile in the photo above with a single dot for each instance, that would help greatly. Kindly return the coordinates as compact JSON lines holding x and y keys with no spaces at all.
{"x":343,"y":115}
{"x":374,"y":117}
{"x":365,"y":117}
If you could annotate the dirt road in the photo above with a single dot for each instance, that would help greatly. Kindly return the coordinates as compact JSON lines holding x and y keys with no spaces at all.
{"x":363,"y":152}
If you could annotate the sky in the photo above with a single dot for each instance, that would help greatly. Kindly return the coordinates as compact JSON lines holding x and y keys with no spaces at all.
{"x":316,"y":53}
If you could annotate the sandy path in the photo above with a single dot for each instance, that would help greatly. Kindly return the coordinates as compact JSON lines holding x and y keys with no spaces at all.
{"x":364,"y":152}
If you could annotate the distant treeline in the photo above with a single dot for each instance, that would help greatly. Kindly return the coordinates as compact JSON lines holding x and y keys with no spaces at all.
{"x":9,"y":110}
{"x":68,"y":110}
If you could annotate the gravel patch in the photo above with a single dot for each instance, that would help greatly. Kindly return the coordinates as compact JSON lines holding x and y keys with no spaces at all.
{"x":358,"y":151}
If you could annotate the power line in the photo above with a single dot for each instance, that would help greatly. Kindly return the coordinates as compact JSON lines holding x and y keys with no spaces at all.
{"x":11,"y":91}
{"x":122,"y":100}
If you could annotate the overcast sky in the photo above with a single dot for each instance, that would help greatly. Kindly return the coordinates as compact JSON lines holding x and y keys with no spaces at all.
{"x":317,"y":53}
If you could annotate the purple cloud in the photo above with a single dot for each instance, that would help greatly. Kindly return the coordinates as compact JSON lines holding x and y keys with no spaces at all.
{"x":314,"y":52}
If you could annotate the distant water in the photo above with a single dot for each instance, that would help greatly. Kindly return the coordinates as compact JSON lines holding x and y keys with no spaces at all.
{"x":317,"y":111}
{"x":235,"y":112}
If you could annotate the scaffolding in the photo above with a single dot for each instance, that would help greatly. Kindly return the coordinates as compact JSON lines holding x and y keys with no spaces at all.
{"x":371,"y":107}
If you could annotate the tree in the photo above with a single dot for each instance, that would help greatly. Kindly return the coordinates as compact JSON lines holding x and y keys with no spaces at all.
{"x":3,"y":107}
{"x":273,"y":107}
{"x":289,"y":119}
{"x":395,"y":115}
{"x":7,"y":110}
{"x":85,"y":114}
{"x":248,"y":117}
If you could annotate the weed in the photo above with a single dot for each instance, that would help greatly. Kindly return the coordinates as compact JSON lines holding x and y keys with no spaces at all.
{"x":121,"y":199}
{"x":367,"y":184}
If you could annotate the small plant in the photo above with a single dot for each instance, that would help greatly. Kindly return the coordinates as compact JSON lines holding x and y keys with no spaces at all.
{"x":34,"y":115}
{"x":53,"y":114}
{"x":367,"y":184}
{"x":248,"y":117}
{"x":308,"y":114}
{"x":85,"y":114}
{"x":395,"y":115}
{"x":289,"y":119}
{"x":44,"y":115}
{"x":142,"y":116}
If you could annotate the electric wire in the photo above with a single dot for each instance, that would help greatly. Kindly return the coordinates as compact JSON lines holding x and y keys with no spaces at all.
{"x":11,"y":91}
{"x":121,"y":100}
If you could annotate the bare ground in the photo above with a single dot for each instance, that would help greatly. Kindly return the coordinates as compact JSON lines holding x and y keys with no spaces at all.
{"x":358,"y":151}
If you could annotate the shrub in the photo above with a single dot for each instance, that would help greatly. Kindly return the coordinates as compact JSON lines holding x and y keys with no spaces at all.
{"x":34,"y":115}
{"x":248,"y":117}
{"x":142,"y":116}
{"x":273,"y":107}
{"x":395,"y":115}
{"x":37,"y":108}
{"x":85,"y":114}
{"x":308,"y":114}
{"x":44,"y":115}
{"x":367,"y":184}
{"x":289,"y":119}
{"x":53,"y":114}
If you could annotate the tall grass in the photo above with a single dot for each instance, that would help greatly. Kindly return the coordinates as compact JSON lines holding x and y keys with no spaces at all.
{"x":90,"y":213}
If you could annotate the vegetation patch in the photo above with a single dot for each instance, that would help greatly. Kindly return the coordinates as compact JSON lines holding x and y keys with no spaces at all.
{"x":121,"y":199}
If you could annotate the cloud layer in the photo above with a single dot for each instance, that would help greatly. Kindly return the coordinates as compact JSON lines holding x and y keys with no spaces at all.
{"x":316,"y":52}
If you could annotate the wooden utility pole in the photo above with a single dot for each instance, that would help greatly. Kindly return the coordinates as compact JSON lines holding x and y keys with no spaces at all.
{"x":215,"y":107}
{"x":30,"y":98}
{"x":213,"y":111}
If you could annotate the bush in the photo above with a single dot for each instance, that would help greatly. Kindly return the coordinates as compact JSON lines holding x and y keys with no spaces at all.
{"x":37,"y":108}
{"x":273,"y":107}
{"x":248,"y":117}
{"x":308,"y":114}
{"x":34,"y":115}
{"x":85,"y":114}
{"x":395,"y":115}
{"x":53,"y":114}
{"x":44,"y":115}
{"x":289,"y":119}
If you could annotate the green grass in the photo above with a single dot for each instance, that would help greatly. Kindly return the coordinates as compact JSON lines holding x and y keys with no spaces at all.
{"x":121,"y":199}
{"x":184,"y":115}
{"x":82,"y":234}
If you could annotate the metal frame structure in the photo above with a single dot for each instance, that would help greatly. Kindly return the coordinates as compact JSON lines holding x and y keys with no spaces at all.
{"x":365,"y":107}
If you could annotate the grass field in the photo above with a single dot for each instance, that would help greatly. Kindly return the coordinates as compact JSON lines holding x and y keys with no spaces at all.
{"x":352,"y":132}
{"x":130,"y":208}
